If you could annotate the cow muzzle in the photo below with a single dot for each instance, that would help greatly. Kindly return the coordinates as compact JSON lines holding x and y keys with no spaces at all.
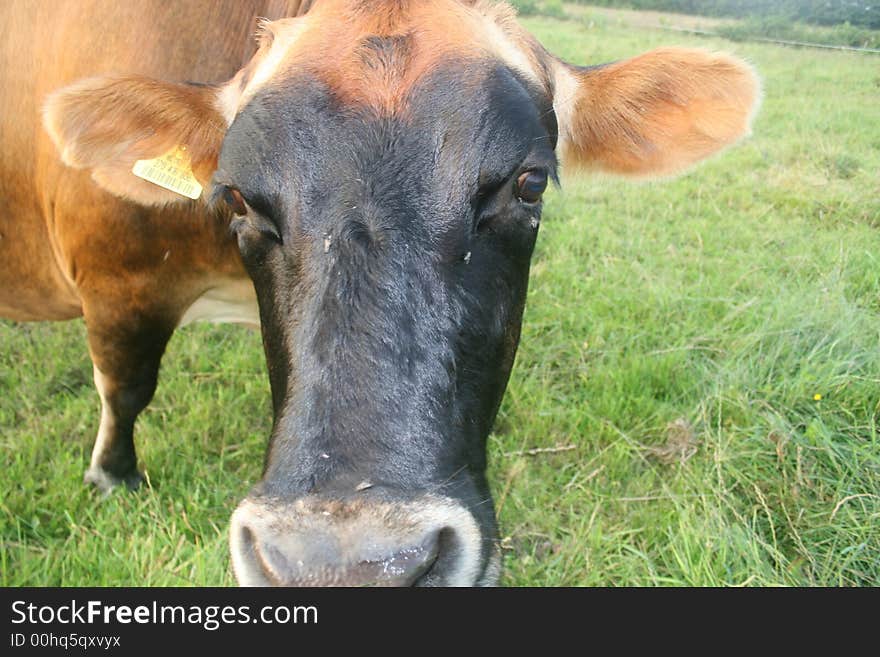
{"x":314,"y":542}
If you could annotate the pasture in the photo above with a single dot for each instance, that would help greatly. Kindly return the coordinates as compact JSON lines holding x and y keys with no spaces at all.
{"x":695,"y":401}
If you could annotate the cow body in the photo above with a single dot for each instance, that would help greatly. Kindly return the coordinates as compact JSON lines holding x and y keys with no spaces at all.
{"x":55,"y":208}
{"x":69,"y":248}
{"x":375,"y":169}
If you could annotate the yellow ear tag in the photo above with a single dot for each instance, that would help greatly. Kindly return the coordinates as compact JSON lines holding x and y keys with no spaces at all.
{"x":171,"y":171}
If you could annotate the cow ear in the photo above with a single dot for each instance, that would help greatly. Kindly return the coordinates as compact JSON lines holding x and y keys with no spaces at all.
{"x":107,"y":124}
{"x":655,"y":114}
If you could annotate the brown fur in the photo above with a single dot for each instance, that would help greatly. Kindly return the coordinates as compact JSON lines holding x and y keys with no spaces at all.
{"x":658,"y":113}
{"x":372,"y":58}
{"x":373,"y":53}
{"x":107,"y":124}
{"x":58,"y":228}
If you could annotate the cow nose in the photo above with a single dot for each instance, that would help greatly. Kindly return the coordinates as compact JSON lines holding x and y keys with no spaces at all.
{"x":322,"y":544}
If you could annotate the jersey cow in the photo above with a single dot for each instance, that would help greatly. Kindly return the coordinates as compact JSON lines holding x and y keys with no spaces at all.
{"x":368,"y":174}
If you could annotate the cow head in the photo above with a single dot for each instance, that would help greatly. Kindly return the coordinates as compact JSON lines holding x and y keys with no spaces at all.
{"x":382,"y":164}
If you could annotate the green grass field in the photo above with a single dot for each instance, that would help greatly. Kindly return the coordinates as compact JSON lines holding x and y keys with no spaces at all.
{"x":709,"y":346}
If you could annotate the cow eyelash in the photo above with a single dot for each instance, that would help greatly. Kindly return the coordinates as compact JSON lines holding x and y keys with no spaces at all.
{"x":530,"y":186}
{"x":234,"y":200}
{"x":527,"y":183}
{"x":243,"y":217}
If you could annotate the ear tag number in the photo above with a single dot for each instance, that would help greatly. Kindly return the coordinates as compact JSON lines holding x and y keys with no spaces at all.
{"x":171,"y":171}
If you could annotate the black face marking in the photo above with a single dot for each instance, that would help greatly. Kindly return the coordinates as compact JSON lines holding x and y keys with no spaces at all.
{"x":391,"y":301}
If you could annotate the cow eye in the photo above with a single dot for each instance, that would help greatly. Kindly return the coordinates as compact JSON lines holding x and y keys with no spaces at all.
{"x":235,"y":201}
{"x":246,"y":221}
{"x":531,"y":185}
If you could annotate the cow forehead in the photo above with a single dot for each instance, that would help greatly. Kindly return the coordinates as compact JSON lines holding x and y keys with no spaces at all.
{"x":372,"y":52}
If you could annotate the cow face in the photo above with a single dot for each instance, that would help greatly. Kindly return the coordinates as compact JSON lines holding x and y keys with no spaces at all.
{"x":382,"y":165}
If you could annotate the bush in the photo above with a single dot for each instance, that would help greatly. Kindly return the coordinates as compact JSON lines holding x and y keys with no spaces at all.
{"x":553,"y":8}
{"x":525,"y":7}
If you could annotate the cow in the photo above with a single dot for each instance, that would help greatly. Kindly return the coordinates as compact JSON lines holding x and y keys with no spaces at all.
{"x":364,"y":181}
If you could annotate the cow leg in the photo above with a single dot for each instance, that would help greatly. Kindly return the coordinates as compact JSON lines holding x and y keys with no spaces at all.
{"x":126,"y":361}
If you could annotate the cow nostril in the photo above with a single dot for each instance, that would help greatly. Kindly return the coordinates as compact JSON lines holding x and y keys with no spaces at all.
{"x":287,"y":546}
{"x":446,"y":551}
{"x":321,"y":556}
{"x":247,"y":541}
{"x":247,"y":563}
{"x":405,"y":567}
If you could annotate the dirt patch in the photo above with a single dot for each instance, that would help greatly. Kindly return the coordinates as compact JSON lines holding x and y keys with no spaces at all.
{"x":681,"y":443}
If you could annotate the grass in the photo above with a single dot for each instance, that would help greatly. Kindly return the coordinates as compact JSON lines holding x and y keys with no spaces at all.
{"x":750,"y":28}
{"x":709,"y":345}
